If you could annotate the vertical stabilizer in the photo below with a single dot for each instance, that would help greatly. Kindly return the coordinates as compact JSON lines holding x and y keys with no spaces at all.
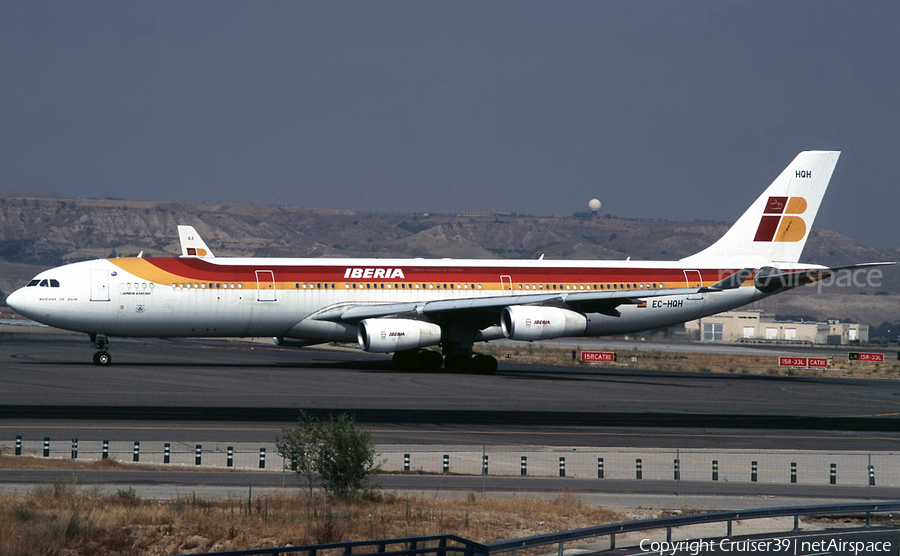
{"x":777,"y":224}
{"x":191,"y":243}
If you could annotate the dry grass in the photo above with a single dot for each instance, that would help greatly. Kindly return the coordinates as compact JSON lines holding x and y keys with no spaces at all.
{"x":64,"y":519}
{"x":698,"y":362}
{"x":110,"y":464}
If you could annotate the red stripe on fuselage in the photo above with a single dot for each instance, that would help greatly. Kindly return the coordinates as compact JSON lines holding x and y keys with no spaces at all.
{"x":206,"y":271}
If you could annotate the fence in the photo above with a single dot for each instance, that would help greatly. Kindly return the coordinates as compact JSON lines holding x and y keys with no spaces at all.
{"x":440,"y":545}
{"x":762,"y":466}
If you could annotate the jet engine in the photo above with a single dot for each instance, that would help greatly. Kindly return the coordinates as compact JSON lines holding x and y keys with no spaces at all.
{"x":389,"y":335}
{"x":521,"y":322}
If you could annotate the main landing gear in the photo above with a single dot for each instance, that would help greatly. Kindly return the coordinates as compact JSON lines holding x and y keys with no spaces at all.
{"x":427,"y":360}
{"x":102,"y":357}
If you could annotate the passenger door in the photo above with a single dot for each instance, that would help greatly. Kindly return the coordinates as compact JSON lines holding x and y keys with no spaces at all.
{"x":265,"y":284}
{"x":692,"y":279}
{"x":99,"y":284}
{"x":506,"y":284}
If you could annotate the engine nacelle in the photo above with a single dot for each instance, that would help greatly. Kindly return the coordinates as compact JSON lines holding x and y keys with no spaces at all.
{"x":389,"y":335}
{"x":540,"y":323}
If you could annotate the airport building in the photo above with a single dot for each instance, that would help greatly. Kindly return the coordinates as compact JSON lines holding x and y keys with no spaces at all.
{"x":760,"y":327}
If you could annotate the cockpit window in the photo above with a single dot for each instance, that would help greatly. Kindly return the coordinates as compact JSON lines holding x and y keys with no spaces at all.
{"x":45,"y":283}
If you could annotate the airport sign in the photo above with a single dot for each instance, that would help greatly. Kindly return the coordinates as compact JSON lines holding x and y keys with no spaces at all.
{"x":793,"y":361}
{"x":598,"y":356}
{"x":803,"y":362}
{"x":871,"y":357}
{"x":817,"y":363}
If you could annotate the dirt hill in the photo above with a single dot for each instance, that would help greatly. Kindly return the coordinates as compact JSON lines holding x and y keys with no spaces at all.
{"x":36,"y":233}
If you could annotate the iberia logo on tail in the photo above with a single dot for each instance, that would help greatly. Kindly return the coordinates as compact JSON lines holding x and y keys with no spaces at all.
{"x":779,"y":222}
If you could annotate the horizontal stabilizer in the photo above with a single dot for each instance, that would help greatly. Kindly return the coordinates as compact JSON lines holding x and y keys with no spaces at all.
{"x":773,"y":280}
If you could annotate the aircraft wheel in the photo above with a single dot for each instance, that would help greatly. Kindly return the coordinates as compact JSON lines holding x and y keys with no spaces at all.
{"x":455,"y":363}
{"x":429,"y":360}
{"x":102,"y":358}
{"x":405,"y":360}
{"x":484,"y":364}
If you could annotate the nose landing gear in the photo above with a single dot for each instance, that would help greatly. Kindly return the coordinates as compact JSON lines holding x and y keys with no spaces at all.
{"x":102,"y":357}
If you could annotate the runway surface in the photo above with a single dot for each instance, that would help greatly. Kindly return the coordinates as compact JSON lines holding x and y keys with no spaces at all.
{"x":236,"y":391}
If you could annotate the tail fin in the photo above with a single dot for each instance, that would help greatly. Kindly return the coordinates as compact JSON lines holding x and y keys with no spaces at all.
{"x":777,"y":224}
{"x":191,"y":243}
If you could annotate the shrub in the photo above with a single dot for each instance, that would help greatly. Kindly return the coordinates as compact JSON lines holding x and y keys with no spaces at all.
{"x":335,"y":450}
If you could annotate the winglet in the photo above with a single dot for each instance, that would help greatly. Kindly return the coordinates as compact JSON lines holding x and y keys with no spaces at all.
{"x":191,"y":243}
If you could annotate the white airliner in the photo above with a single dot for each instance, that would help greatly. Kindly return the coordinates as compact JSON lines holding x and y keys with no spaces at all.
{"x":401,"y":306}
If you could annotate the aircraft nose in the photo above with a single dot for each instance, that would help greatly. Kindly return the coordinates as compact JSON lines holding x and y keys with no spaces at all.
{"x":16,"y":301}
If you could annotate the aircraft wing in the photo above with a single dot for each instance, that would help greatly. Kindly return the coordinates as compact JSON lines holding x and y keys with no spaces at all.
{"x":487,"y":309}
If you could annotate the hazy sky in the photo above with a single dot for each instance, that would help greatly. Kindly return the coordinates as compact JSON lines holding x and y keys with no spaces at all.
{"x":677,"y":110}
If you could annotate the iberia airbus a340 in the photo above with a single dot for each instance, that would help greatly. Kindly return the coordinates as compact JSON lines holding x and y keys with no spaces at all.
{"x":403,"y":306}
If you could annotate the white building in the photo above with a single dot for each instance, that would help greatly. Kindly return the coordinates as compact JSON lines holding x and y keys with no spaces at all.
{"x":757,"y":326}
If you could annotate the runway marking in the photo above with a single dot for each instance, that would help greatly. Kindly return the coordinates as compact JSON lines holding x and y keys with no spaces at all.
{"x":471,"y":432}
